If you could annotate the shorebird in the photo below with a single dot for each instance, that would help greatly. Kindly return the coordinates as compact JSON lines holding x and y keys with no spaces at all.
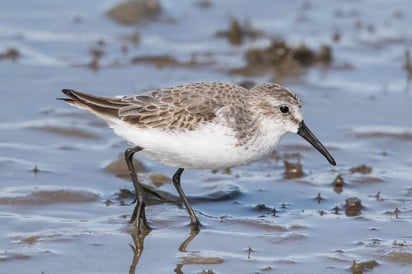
{"x":201,"y":126}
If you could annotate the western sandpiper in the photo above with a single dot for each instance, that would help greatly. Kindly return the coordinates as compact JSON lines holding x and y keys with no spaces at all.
{"x":201,"y":126}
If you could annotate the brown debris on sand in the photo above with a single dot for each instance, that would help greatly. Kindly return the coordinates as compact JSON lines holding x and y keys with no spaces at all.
{"x":238,"y":32}
{"x":165,"y":61}
{"x":10,"y":53}
{"x":283,"y":58}
{"x":293,"y":170}
{"x":134,"y":12}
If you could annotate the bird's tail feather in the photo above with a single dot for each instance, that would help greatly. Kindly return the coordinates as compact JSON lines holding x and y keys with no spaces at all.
{"x":102,"y":106}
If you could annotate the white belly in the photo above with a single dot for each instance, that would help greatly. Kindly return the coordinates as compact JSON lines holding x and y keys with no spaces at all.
{"x":211,"y":147}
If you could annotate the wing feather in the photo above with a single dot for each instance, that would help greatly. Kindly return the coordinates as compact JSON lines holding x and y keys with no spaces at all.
{"x":179,"y":107}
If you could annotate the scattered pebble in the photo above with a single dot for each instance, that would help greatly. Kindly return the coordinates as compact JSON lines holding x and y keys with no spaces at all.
{"x":293,"y":170}
{"x":362,"y":169}
{"x":338,"y":184}
{"x":353,"y":207}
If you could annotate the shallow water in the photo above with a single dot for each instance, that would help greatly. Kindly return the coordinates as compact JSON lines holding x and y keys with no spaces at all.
{"x":60,"y":207}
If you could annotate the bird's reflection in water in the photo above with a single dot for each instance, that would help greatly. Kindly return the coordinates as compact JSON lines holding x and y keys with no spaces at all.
{"x":138,"y":240}
{"x":189,"y":257}
{"x":193,"y":257}
{"x":186,"y":242}
{"x":183,"y":248}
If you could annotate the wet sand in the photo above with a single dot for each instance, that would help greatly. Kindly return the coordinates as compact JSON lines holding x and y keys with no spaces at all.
{"x":65,"y":198}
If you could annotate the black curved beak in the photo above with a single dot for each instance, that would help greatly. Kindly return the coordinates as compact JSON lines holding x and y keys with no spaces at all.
{"x":311,"y":138}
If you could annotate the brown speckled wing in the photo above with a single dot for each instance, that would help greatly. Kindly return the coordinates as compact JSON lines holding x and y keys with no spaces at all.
{"x":180,"y":107}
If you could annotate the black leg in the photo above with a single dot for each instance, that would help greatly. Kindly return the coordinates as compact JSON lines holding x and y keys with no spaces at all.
{"x":194,"y":222}
{"x":139,"y":210}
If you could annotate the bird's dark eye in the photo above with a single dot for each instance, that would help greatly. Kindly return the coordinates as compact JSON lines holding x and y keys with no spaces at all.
{"x":284,"y":109}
